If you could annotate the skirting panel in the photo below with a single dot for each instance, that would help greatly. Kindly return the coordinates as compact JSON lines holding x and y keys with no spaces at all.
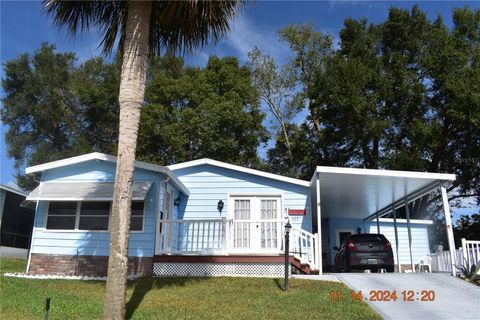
{"x":209,"y":269}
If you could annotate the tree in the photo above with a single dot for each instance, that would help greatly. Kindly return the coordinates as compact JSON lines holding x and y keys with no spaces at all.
{"x":400,"y":94}
{"x":467,"y":227}
{"x":54,"y":109}
{"x":142,"y":27}
{"x":193,"y":112}
{"x":277,"y":88}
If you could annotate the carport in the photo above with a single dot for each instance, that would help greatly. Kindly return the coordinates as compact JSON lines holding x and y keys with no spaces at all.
{"x":369,"y":194}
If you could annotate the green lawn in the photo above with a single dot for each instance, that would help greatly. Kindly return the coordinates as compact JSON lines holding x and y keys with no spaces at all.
{"x":178,"y":298}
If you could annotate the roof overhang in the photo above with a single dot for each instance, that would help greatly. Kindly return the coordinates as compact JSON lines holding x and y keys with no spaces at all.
{"x":215,"y":163}
{"x":13,"y":190}
{"x":109,"y":158}
{"x":368,"y":193}
{"x":84,"y":191}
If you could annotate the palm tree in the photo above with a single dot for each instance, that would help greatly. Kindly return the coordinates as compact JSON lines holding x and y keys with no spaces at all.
{"x":141,"y":28}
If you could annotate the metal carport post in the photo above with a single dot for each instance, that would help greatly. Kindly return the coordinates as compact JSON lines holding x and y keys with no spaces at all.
{"x":448,"y":223}
{"x":396,"y":237}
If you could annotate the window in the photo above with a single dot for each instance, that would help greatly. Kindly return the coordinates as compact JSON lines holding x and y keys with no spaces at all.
{"x":62,"y":215}
{"x":136,"y":221}
{"x":88,"y":215}
{"x":94,"y":215}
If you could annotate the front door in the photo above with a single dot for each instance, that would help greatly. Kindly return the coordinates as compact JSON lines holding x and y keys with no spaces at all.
{"x":256,"y":223}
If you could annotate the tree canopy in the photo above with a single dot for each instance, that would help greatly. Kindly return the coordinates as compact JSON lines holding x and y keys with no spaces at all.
{"x":55,"y":108}
{"x":400,"y":94}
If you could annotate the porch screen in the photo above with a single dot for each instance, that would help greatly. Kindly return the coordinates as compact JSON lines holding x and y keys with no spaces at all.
{"x":241,"y":229}
{"x":268,"y":211}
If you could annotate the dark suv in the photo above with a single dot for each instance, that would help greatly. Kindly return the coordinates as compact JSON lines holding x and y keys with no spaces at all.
{"x":364,"y":251}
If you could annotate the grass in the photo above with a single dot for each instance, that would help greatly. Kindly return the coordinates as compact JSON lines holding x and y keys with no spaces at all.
{"x":178,"y":298}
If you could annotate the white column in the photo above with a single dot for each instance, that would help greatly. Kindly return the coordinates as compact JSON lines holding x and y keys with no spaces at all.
{"x":319,"y":225}
{"x":407,"y":211}
{"x":448,"y":223}
{"x":396,"y":238}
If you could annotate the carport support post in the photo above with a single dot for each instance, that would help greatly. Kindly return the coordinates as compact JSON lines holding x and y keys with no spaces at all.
{"x":396,"y":238}
{"x":319,"y":225}
{"x":448,"y":222}
{"x":378,"y":225}
{"x":407,"y":212}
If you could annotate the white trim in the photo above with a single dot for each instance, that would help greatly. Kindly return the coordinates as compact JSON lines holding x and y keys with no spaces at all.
{"x":215,"y":163}
{"x":337,"y":235}
{"x":13,"y":190}
{"x":34,"y":229}
{"x":412,"y":221}
{"x":387,"y":173}
{"x":108,"y":158}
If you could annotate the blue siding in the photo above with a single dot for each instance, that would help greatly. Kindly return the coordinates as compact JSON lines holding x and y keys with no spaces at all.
{"x":94,"y":170}
{"x":209,"y":184}
{"x":420,"y":242}
{"x":141,"y":244}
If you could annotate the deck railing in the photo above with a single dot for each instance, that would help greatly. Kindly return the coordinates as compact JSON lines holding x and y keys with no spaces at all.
{"x":227,"y":236}
{"x":303,"y":245}
{"x":194,"y":236}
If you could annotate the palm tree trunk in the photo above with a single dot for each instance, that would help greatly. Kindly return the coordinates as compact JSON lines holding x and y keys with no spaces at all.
{"x":131,"y":97}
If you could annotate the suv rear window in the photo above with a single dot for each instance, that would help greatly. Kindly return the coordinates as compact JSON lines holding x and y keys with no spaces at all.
{"x":367,"y":237}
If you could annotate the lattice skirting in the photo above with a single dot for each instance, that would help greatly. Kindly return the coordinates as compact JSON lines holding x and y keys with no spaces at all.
{"x":199,"y":269}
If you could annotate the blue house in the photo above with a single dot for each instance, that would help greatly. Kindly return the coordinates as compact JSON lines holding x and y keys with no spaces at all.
{"x":207,"y":217}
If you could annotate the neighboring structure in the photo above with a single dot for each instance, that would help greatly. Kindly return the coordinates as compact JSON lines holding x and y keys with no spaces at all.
{"x":206,"y":217}
{"x":16,"y":223}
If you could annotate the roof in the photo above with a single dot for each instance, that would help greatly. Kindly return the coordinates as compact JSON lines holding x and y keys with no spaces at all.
{"x":215,"y":163}
{"x":363,"y":193}
{"x":13,"y":190}
{"x":108,"y":158}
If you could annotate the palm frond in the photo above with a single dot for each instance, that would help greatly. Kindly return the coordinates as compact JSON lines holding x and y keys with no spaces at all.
{"x":174,"y":25}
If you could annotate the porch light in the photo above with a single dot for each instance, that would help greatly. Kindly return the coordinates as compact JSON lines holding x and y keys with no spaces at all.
{"x":220,"y":205}
{"x":176,"y":202}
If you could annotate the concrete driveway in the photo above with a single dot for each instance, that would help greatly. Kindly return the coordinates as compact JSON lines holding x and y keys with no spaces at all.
{"x":454,"y":298}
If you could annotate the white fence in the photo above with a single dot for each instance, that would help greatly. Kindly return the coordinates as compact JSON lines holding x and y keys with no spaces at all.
{"x":467,"y":255}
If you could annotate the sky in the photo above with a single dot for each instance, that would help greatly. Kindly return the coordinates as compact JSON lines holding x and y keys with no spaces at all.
{"x":23,"y":28}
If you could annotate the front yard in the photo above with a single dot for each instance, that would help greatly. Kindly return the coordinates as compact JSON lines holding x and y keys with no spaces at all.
{"x":178,"y":298}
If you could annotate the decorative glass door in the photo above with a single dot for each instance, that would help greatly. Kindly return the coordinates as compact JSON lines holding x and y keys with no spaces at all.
{"x":256,"y":223}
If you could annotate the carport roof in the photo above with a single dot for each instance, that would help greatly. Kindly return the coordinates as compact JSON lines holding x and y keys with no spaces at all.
{"x":361,"y":193}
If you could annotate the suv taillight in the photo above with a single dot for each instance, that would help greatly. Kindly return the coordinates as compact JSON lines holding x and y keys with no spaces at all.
{"x":351,"y":246}
{"x":387,"y":246}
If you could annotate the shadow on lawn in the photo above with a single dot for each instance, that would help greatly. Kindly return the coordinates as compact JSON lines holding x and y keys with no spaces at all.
{"x":142,"y":286}
{"x":279,"y":282}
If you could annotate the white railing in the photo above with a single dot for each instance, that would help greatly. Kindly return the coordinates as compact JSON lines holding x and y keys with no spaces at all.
{"x":205,"y":236}
{"x":471,"y":252}
{"x":303,"y":246}
{"x":226,"y":236}
{"x":468,"y":254}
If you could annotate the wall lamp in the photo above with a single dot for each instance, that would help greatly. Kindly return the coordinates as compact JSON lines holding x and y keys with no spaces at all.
{"x":177,"y":201}
{"x":220,"y":205}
